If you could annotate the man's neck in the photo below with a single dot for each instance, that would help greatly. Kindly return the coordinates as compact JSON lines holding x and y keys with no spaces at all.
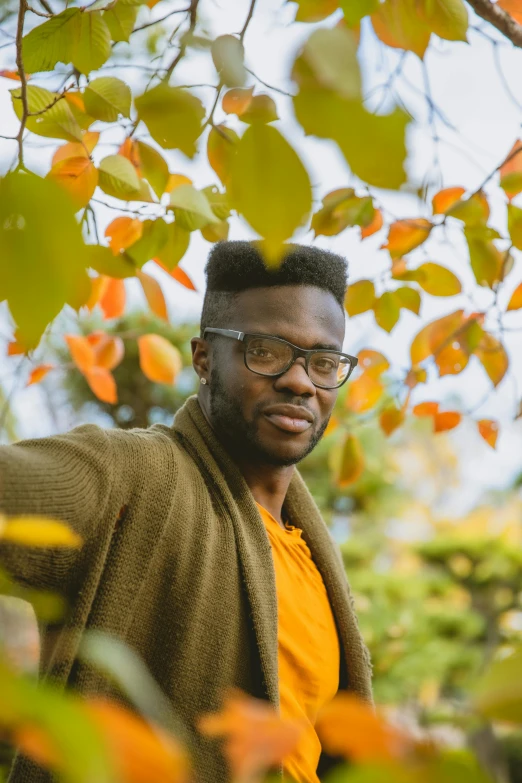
{"x":268,"y":485}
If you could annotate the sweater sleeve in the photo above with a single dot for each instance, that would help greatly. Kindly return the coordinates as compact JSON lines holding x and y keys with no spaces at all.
{"x":66,"y":477}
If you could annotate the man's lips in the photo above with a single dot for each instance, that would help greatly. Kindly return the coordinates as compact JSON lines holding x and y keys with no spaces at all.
{"x":289,"y":418}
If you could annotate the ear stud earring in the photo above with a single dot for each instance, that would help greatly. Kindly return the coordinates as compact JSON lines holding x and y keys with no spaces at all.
{"x":203,"y":381}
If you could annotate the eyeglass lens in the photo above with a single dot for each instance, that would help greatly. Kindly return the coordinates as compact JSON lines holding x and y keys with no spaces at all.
{"x":267,"y":356}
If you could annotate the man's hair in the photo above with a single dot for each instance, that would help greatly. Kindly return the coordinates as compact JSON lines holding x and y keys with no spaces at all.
{"x":233,"y":267}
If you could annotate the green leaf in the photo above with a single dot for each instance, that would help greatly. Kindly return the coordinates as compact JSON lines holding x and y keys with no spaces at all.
{"x":355,"y":10}
{"x":358,"y":134}
{"x":218,"y":202}
{"x":315,"y":10}
{"x":154,"y":168}
{"x":42,"y":245}
{"x":486,"y":260}
{"x":120,"y":19}
{"x":473,"y":211}
{"x":221,"y":148}
{"x":153,"y":238}
{"x":58,"y":122}
{"x":118,"y":177}
{"x":446,"y":18}
{"x":175,"y":247}
{"x":437,"y":280}
{"x":408,"y":298}
{"x":352,"y":461}
{"x":269,"y":186}
{"x":93,"y":45}
{"x":228,"y":55}
{"x":106,"y":98}
{"x":103,"y":260}
{"x":387,"y":311}
{"x":342,"y":208}
{"x":515,"y":225}
{"x":498,"y":695}
{"x":173,"y":116}
{"x":331,"y":55}
{"x":262,"y":108}
{"x":51,"y":42}
{"x":191,"y":208}
{"x":360,"y":297}
{"x":216,"y":232}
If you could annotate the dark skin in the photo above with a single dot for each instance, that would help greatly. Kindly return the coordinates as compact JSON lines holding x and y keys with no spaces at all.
{"x":234,"y":398}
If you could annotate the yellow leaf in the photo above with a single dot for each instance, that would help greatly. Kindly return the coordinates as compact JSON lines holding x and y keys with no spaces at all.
{"x":160,"y":361}
{"x":390,"y":419}
{"x":364,"y":393}
{"x":437,"y":280}
{"x":398,"y":24}
{"x":221,"y":148}
{"x":360,"y":297}
{"x":373,"y":362}
{"x":352,"y":461}
{"x":515,"y":303}
{"x":386,"y":310}
{"x":511,"y":171}
{"x":175,"y":180}
{"x":492,"y":354}
{"x":36,"y":531}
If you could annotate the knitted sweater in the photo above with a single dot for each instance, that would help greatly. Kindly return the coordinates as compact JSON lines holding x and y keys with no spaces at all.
{"x":176,"y":562}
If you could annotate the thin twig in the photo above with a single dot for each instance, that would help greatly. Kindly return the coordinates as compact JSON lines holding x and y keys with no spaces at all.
{"x":192,"y":24}
{"x":162,"y":19}
{"x":23,"y":80}
{"x":247,"y":20}
{"x":495,"y":15}
{"x":39,"y":13}
{"x":269,"y":86}
{"x":45,"y":5}
{"x":210,"y":119}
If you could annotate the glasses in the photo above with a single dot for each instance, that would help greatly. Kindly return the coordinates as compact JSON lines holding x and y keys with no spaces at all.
{"x":272,"y":356}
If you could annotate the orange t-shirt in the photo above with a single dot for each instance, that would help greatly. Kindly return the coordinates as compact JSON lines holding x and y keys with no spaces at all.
{"x":308,"y":645}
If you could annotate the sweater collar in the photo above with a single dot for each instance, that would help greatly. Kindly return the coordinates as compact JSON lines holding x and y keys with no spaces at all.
{"x":235,"y":496}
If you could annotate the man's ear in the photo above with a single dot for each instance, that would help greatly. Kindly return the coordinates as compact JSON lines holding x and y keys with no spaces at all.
{"x":201,"y":357}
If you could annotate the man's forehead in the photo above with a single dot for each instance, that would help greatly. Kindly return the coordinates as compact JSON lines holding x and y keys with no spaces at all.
{"x":301,"y":314}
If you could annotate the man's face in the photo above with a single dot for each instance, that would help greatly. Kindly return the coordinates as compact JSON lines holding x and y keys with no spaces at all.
{"x":240,"y":401}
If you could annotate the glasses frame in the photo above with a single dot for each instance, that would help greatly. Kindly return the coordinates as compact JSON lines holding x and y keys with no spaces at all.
{"x":297,"y":352}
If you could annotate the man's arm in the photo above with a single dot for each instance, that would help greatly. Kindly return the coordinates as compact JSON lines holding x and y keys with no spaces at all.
{"x":65,"y":477}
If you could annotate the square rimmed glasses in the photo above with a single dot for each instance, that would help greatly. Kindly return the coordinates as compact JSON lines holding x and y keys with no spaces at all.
{"x":272,"y":356}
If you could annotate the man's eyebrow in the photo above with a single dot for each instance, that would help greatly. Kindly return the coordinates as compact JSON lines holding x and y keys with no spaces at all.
{"x":315,"y":346}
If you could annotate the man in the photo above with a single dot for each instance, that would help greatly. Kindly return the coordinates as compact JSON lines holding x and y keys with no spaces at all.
{"x":203,"y":549}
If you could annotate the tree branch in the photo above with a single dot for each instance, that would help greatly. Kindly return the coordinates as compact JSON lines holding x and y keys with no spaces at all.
{"x":23,"y":79}
{"x":192,"y":24}
{"x":247,"y":21}
{"x":499,"y":18}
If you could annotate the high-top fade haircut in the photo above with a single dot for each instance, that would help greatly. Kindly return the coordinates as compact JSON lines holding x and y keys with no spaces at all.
{"x":238,"y":266}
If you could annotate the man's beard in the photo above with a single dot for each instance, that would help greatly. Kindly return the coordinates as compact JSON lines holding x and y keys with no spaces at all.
{"x":240,"y":437}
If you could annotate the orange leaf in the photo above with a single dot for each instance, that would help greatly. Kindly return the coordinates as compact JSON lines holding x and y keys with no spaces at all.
{"x":75,"y":99}
{"x":153,"y":294}
{"x":374,"y":226}
{"x":98,"y":287}
{"x":237,"y":101}
{"x":426,"y":409}
{"x":390,"y":419}
{"x":34,"y":742}
{"x":445,"y":199}
{"x":175,"y":180}
{"x":102,"y":384}
{"x":511,"y":171}
{"x":333,"y":425}
{"x":256,"y":737}
{"x":488,"y":428}
{"x":373,"y":362}
{"x":7,"y":74}
{"x":130,"y":150}
{"x":452,"y":359}
{"x":352,"y":461}
{"x":182,"y":277}
{"x":77,"y":149}
{"x":141,"y":752}
{"x":405,"y":235}
{"x":513,"y":8}
{"x":221,"y":148}
{"x":123,"y":232}
{"x":415,"y":376}
{"x":515,"y":303}
{"x":434,"y":336}
{"x":160,"y":361}
{"x":446,"y":421}
{"x":350,"y":728}
{"x":15,"y":349}
{"x":78,"y":176}
{"x":364,"y":393}
{"x":81,"y":351}
{"x":108,"y":350}
{"x":38,"y":373}
{"x":112,"y":301}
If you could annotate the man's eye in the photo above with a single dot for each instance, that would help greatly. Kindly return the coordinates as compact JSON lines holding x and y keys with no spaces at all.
{"x":261,"y":353}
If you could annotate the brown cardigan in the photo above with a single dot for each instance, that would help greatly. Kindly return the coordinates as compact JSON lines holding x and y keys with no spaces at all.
{"x":176,"y":562}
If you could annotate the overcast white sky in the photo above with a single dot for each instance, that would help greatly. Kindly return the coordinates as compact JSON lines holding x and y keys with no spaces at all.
{"x":466,"y":86}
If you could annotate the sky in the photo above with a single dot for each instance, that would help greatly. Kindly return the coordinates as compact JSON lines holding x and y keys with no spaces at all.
{"x":476,"y":86}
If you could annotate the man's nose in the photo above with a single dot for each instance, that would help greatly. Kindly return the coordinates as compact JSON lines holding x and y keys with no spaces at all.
{"x":296,"y":379}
